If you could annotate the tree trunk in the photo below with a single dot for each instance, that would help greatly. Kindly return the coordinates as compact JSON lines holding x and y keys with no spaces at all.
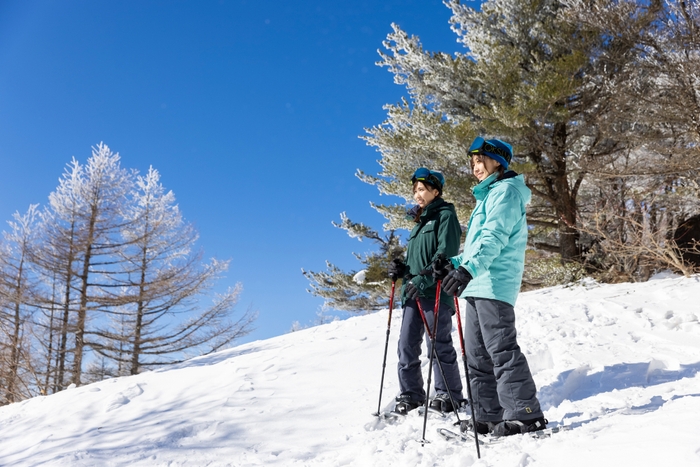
{"x":63,"y":346}
{"x":10,"y":395}
{"x":139,"y":320}
{"x":563,"y":196}
{"x":82,"y":311}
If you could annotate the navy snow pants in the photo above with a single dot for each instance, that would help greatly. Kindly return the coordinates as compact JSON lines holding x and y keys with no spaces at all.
{"x":410,"y":340}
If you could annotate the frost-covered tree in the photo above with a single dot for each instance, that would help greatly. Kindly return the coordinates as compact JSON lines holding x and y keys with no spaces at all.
{"x":598,"y":99}
{"x":358,"y":291}
{"x":87,"y":212}
{"x":650,"y":189}
{"x":18,"y":289}
{"x":78,"y":257}
{"x":163,"y":279}
{"x":528,"y":75}
{"x":111,"y":278}
{"x":57,"y":260}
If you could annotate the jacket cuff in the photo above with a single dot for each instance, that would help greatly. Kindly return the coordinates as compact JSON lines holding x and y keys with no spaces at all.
{"x":422,"y":283}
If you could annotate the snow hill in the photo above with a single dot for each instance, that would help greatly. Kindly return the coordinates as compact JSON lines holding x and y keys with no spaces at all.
{"x":617,"y":363}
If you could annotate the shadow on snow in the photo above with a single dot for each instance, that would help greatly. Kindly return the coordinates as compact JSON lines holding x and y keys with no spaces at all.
{"x":578,"y":384}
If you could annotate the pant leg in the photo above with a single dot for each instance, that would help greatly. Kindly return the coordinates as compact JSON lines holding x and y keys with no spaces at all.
{"x":515,"y":385}
{"x":409,"y":350}
{"x":445,"y":351}
{"x":487,"y":407}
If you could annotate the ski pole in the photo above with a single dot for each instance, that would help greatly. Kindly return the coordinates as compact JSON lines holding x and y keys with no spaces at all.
{"x":441,"y":257}
{"x":439,"y":363}
{"x":466,"y":375}
{"x":386,"y":346}
{"x":433,"y":355}
{"x":430,"y":365}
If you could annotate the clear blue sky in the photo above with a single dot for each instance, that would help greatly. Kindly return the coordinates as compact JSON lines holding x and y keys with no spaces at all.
{"x":249,"y":109}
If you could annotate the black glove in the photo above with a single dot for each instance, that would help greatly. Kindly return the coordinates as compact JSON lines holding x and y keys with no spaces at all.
{"x":442,"y":267}
{"x":456,"y":281}
{"x":396,"y":269}
{"x":411,"y":291}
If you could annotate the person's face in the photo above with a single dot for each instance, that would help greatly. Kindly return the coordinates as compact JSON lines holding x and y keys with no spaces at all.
{"x":483,"y":166}
{"x":424,"y":194}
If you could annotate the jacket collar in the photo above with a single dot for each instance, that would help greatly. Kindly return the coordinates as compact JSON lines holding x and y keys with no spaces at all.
{"x":429,"y":209}
{"x":484,"y":186}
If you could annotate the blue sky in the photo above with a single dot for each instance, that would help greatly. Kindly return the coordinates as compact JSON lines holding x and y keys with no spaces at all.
{"x":251,"y":110}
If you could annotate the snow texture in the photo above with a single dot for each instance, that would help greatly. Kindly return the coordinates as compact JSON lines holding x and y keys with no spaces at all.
{"x":617,"y":363}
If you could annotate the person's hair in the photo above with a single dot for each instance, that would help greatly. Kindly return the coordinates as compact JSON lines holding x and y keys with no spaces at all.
{"x":426,"y":185}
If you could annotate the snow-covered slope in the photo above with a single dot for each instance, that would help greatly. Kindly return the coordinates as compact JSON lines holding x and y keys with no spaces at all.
{"x":618,"y":363}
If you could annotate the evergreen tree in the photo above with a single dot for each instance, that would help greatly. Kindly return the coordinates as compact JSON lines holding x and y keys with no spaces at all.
{"x":530,"y":76}
{"x":592,"y":94}
{"x":358,"y":291}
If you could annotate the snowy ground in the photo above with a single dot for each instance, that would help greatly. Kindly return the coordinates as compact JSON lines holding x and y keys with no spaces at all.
{"x":618,"y":363}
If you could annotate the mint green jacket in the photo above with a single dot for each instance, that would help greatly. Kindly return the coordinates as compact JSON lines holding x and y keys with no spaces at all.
{"x":494,"y":250}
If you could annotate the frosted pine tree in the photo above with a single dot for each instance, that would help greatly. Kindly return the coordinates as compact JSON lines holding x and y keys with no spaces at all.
{"x":528,"y":75}
{"x":592,"y":94}
{"x":358,"y":291}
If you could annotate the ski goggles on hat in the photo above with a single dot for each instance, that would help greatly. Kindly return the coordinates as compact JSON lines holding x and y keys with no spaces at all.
{"x":425,"y":175}
{"x":481,"y":146}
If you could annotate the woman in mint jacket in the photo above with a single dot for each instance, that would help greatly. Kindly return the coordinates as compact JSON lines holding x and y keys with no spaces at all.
{"x":488,"y":274}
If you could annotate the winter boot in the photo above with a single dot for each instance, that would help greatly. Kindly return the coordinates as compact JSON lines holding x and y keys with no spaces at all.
{"x":405,"y":404}
{"x":483,"y":428}
{"x":442,"y":403}
{"x":515,"y":427}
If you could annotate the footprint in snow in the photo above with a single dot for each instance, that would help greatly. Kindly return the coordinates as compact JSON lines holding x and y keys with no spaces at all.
{"x":124,"y":397}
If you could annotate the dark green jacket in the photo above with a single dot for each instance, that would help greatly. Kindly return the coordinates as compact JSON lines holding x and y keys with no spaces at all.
{"x":437,"y":232}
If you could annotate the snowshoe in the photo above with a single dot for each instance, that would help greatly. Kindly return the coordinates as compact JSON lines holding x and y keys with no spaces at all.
{"x":405,"y":404}
{"x":516,"y":427}
{"x":442,"y":403}
{"x":483,"y":428}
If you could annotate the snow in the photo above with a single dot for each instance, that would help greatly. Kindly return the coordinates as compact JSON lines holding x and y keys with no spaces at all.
{"x":360,"y":277}
{"x":618,"y":363}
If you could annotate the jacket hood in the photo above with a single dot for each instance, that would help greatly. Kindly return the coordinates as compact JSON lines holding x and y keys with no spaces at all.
{"x":518,"y":182}
{"x":437,"y":205}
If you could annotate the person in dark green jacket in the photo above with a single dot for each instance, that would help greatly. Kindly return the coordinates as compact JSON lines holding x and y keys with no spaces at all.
{"x":487,"y":275}
{"x":436,"y":232}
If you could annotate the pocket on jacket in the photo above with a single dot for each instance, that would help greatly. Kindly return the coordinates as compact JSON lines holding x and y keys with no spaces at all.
{"x":428,"y":229}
